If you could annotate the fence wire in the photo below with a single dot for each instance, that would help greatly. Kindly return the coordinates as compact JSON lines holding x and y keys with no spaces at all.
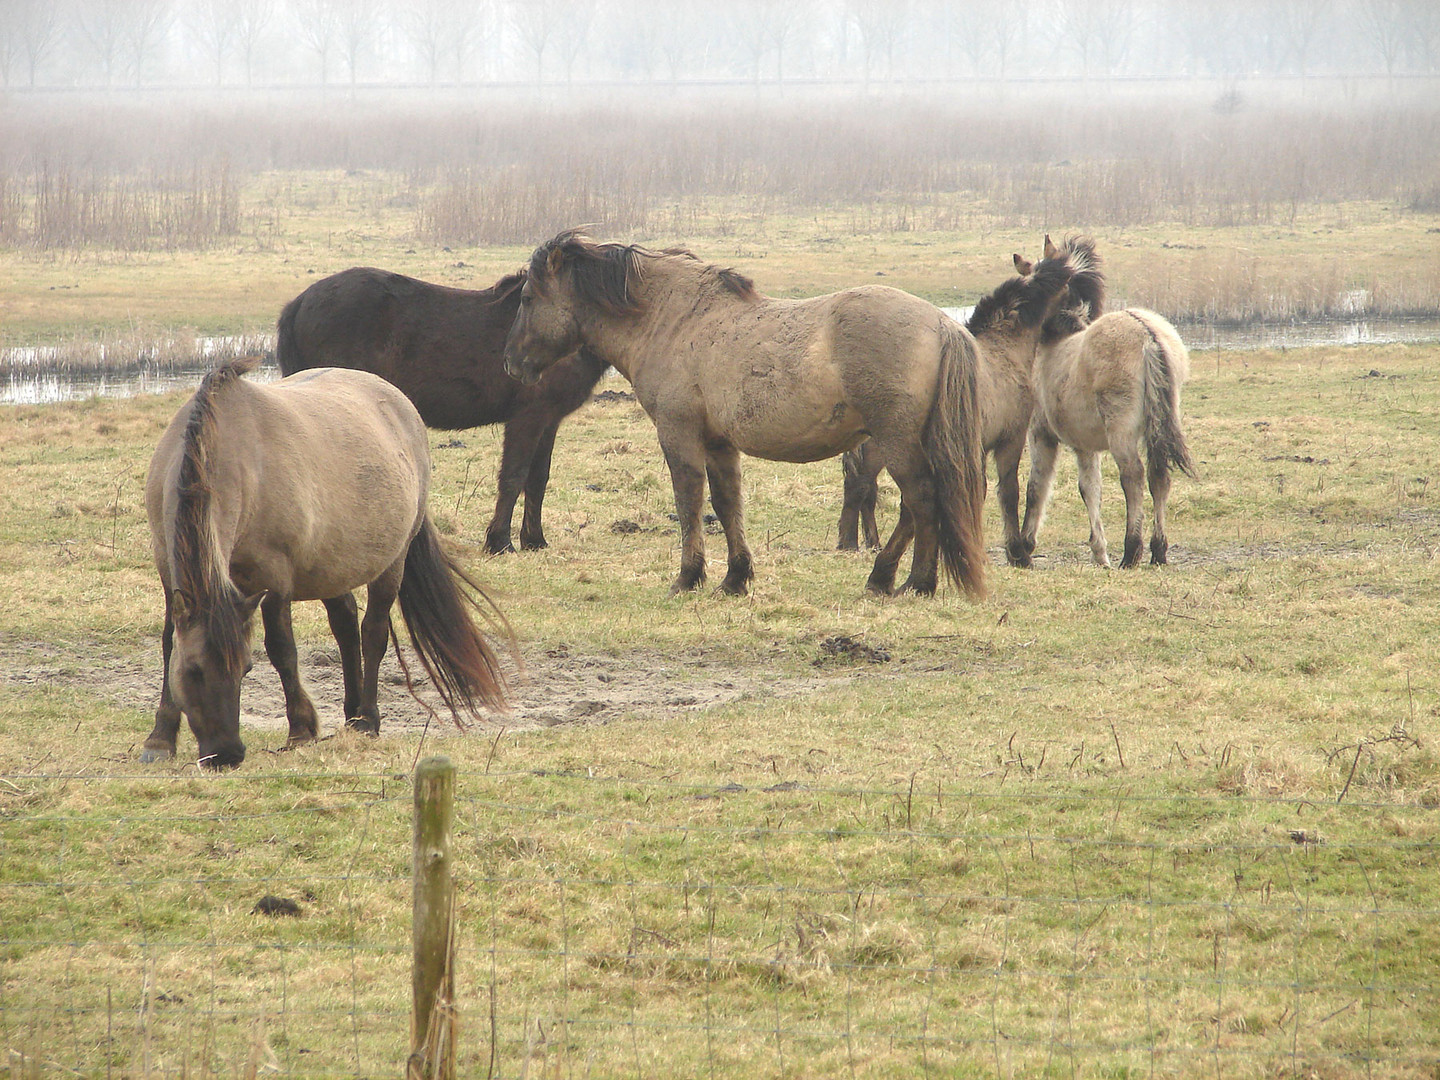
{"x":607,"y":927}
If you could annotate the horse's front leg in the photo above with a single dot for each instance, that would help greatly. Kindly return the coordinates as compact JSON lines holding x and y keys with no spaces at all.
{"x":1088,"y":464}
{"x":345,"y":626}
{"x":860,"y":472}
{"x":1043,"y":450}
{"x":1007,"y":488}
{"x":685,"y":456}
{"x":532,"y":535}
{"x":280,"y":648}
{"x":160,"y":745}
{"x":374,"y":636}
{"x":1132,"y":482}
{"x":722,"y":466}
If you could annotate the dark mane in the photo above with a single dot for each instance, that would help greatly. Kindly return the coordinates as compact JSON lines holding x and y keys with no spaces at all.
{"x":508,"y":284}
{"x":1023,"y":299}
{"x":1086,"y":301}
{"x":206,"y":586}
{"x":606,"y":274}
{"x":602,"y":274}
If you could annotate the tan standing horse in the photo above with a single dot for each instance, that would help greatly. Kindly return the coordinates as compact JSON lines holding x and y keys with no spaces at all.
{"x":1006,"y":326}
{"x":723,"y":370}
{"x":1112,"y":383}
{"x":301,"y":490}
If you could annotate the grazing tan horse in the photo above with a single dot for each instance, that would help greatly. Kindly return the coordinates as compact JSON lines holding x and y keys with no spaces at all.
{"x":301,"y":490}
{"x":1006,"y":326}
{"x":723,"y":370}
{"x":1112,"y":383}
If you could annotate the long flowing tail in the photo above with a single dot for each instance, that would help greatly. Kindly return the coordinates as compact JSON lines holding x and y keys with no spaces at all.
{"x":455,"y":653}
{"x":954,"y":452}
{"x":287,"y":349}
{"x":1166,"y":365}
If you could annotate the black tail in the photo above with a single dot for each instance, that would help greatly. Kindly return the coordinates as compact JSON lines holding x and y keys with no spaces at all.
{"x":953,"y":448}
{"x":287,"y":350}
{"x":437,"y":613}
{"x":1164,"y":439}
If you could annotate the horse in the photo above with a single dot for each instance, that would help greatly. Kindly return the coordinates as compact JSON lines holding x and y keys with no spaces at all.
{"x":441,"y":346}
{"x":723,"y":370}
{"x":259,"y":495}
{"x":1006,"y":326}
{"x":1109,"y":382}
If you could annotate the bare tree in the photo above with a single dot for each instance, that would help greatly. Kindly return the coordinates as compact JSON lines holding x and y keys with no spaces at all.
{"x":11,"y":45}
{"x":1298,"y":24}
{"x":99,"y":25}
{"x":145,"y":25}
{"x":356,"y":28}
{"x":214,"y":27}
{"x":784,"y":24}
{"x":319,"y":25}
{"x":534,"y":22}
{"x":1382,"y":22}
{"x":1424,"y":26}
{"x":636,"y":34}
{"x":252,"y":17}
{"x":674,"y":34}
{"x":881,"y":24}
{"x":38,"y":22}
{"x":572,"y":31}
{"x":426,"y":25}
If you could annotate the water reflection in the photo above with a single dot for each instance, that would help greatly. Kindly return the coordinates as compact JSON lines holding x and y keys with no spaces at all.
{"x":34,"y":384}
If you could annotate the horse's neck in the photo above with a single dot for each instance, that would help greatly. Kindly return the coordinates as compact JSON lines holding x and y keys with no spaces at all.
{"x":668,"y":302}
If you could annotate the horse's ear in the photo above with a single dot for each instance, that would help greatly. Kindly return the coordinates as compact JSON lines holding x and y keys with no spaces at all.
{"x":180,"y":607}
{"x":1051,"y":251}
{"x":246,"y":607}
{"x":555,"y":260}
{"x":1023,"y":266}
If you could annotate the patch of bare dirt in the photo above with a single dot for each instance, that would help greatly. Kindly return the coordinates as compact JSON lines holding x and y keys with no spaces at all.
{"x":549,"y":687}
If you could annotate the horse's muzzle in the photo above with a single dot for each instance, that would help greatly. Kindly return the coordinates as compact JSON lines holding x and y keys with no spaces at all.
{"x":520,"y":369}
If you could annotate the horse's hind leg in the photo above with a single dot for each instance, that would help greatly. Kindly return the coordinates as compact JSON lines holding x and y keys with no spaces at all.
{"x":722,"y":466}
{"x":345,"y":626}
{"x":160,"y":745}
{"x":1159,"y":495}
{"x":280,"y":648}
{"x":1043,"y":449}
{"x":1088,"y":462}
{"x":887,"y":563}
{"x":917,"y":519}
{"x":374,"y":636}
{"x":1132,"y":481}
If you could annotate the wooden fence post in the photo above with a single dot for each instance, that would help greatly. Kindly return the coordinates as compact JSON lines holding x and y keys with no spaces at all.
{"x":432,"y":978}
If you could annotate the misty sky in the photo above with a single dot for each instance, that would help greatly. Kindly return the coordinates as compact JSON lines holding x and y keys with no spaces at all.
{"x":235,"y":43}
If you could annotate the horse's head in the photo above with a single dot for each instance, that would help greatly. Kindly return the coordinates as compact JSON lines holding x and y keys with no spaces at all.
{"x":210,"y":657}
{"x":570,"y":281}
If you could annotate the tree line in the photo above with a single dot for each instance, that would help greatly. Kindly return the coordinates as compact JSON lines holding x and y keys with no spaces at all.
{"x":156,"y":43}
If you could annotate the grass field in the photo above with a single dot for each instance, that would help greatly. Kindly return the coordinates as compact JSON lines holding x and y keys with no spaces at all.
{"x":1160,"y":822}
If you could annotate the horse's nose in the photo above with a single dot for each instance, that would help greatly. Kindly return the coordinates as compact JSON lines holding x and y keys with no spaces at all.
{"x":223,"y":755}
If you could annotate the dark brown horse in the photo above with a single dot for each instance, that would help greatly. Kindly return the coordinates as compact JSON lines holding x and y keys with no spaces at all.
{"x":443,"y":348}
{"x":301,"y":490}
{"x":1006,"y":326}
{"x":723,"y":370}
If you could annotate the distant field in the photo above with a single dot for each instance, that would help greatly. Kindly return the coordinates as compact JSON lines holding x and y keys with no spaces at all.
{"x":133,"y":221}
{"x":1179,"y":821}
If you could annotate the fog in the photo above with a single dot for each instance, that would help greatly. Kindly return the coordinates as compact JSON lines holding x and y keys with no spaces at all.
{"x":117,"y":44}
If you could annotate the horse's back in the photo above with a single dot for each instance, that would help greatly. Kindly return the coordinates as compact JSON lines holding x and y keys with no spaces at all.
{"x":440,"y":345}
{"x":329,"y":473}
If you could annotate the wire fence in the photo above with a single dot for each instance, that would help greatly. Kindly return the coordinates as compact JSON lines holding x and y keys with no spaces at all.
{"x":197,"y":926}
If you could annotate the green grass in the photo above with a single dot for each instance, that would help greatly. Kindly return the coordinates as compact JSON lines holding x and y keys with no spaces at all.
{"x":1176,"y":821}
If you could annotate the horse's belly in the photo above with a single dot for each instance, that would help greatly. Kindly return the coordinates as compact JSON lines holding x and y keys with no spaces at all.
{"x":782,"y":416}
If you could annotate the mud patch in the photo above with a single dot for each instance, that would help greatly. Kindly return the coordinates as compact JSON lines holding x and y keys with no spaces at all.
{"x":560,"y":685}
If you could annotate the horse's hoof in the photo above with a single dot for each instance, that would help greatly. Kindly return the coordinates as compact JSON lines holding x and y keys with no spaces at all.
{"x":303,"y":738}
{"x":151,"y":754}
{"x":848,"y":545}
{"x":533,"y":545}
{"x":366,"y":725}
{"x":499,"y":545}
{"x":733,"y":588}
